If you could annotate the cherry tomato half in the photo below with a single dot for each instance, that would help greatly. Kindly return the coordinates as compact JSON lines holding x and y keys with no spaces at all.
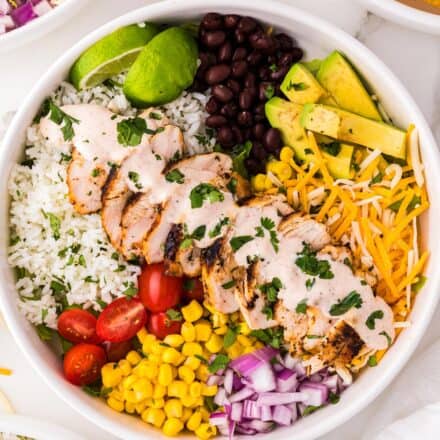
{"x":161,"y":325}
{"x":83,"y":363}
{"x":121,"y":320}
{"x":193,"y":289}
{"x":117,"y":350}
{"x":77,"y":326}
{"x":158,"y":291}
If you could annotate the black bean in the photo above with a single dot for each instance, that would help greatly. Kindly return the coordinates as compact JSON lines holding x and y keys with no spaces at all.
{"x":261,"y":41}
{"x":238,"y":135}
{"x":198,"y":86}
{"x":265,"y":90}
{"x":216,"y":121}
{"x":264,"y":73}
{"x":239,"y":69}
{"x":272,"y":59}
{"x":225,"y":136}
{"x":255,"y":58}
{"x":225,"y":52}
{"x":258,"y":131}
{"x":217,"y":74}
{"x":231,"y":21}
{"x":206,"y":59}
{"x":244,"y":118}
{"x":234,"y":85}
{"x":250,"y":80}
{"x":212,"y":21}
{"x":280,"y":73}
{"x":240,"y":37}
{"x":239,"y":54}
{"x":246,"y":99}
{"x":272,"y":139}
{"x":212,"y":106}
{"x":286,"y":59}
{"x":254,"y":166}
{"x":284,"y":41}
{"x":222,"y":93}
{"x":247,"y":133}
{"x":229,"y":110}
{"x":297,"y":54}
{"x":213,"y":39}
{"x":258,"y":152}
{"x":247,"y":25}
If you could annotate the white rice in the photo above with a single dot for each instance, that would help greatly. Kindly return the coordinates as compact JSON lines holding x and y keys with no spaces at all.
{"x":80,"y":267}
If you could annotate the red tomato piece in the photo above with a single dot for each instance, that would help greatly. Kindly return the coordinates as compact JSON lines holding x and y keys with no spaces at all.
{"x":193,"y":289}
{"x":77,"y":326}
{"x":161,"y":325}
{"x":158,"y":291}
{"x":117,"y":350}
{"x":121,"y":320}
{"x":83,"y":363}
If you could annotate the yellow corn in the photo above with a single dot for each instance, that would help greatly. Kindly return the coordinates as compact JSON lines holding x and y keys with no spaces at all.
{"x":195,"y":389}
{"x":174,"y":340}
{"x":155,"y":358}
{"x":202,"y":373}
{"x":172,"y":427}
{"x":159,"y":391}
{"x":244,"y":328}
{"x":173,"y":408}
{"x":282,"y":170}
{"x":235,"y":350}
{"x":133,"y":357}
{"x":157,"y":348}
{"x":192,"y":349}
{"x":186,"y":374}
{"x":206,"y":431}
{"x":171,"y":356}
{"x":192,"y":362}
{"x":143,"y":387}
{"x":209,"y":390}
{"x":248,"y":350}
{"x":116,"y":394}
{"x":117,"y":405}
{"x":154,"y":416}
{"x":192,"y":312}
{"x":219,"y":319}
{"x":130,"y":408}
{"x":189,"y":401}
{"x":143,"y":335}
{"x":203,"y":331}
{"x":188,"y":332}
{"x":244,"y":340}
{"x":205,"y":413}
{"x":157,"y":403}
{"x":186,"y":414}
{"x":128,"y":382}
{"x":165,"y":376}
{"x":111,"y":375}
{"x":140,"y":407}
{"x":148,"y":370}
{"x":222,"y":330}
{"x":177,"y":388}
{"x":194,"y":421}
{"x":214,"y":344}
{"x":286,"y":154}
{"x":125,"y":367}
{"x":258,"y":182}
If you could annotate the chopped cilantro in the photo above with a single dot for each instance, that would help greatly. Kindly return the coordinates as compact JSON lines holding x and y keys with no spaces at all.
{"x":174,"y":315}
{"x":60,"y":118}
{"x":130,"y":290}
{"x":386,"y":336}
{"x":54,"y":223}
{"x":134,"y":177}
{"x":271,"y":336}
{"x":197,"y":234}
{"x":310,"y":409}
{"x":310,"y":282}
{"x":301,"y":307}
{"x":333,"y":398}
{"x":44,"y":332}
{"x":220,"y":362}
{"x":154,"y":115}
{"x":205,"y":191}
{"x":229,"y":284}
{"x":372,"y":361}
{"x":370,"y":322}
{"x":270,"y":291}
{"x":353,"y":299}
{"x":230,"y":337}
{"x":214,"y":232}
{"x":96,"y":172}
{"x":232,"y":185}
{"x":310,"y":265}
{"x":270,"y":91}
{"x":131,"y":130}
{"x":175,"y":176}
{"x":332,"y":148}
{"x":239,"y":241}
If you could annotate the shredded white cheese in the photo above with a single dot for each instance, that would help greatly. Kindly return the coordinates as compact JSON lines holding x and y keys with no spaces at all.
{"x":370,"y":158}
{"x":415,"y":157}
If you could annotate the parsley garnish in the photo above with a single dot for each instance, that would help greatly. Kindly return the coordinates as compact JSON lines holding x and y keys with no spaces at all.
{"x":229,"y":284}
{"x":270,"y":291}
{"x":272,"y":336}
{"x":370,"y":322}
{"x":268,"y":224}
{"x":310,"y":265}
{"x":130,"y":290}
{"x":353,"y":299}
{"x":310,"y":409}
{"x":174,"y":315}
{"x":131,"y":130}
{"x":387,"y":336}
{"x":230,"y":337}
{"x":54,"y":223}
{"x":332,"y":148}
{"x":270,"y":91}
{"x":301,"y":307}
{"x":44,"y":332}
{"x":134,"y":177}
{"x":416,"y":200}
{"x":372,"y":361}
{"x":333,"y":398}
{"x":175,"y":176}
{"x":60,"y":118}
{"x":232,"y":185}
{"x":220,"y":362}
{"x":154,"y":115}
{"x":205,"y":191}
{"x":310,"y":283}
{"x":377,"y":178}
{"x":197,"y":234}
{"x":96,"y":172}
{"x":214,"y":232}
{"x":239,"y":241}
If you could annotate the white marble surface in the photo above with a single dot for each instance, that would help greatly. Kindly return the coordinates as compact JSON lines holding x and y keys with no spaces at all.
{"x":413,"y":56}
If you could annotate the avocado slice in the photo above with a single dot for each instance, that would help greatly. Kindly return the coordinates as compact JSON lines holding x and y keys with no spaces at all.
{"x":339,"y":78}
{"x":285,"y":116}
{"x":352,"y":128}
{"x":300,"y":86}
{"x":313,"y":65}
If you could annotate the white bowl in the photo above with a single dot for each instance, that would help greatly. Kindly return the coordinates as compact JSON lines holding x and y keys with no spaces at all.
{"x":40,"y":26}
{"x":405,"y":15}
{"x":318,"y":38}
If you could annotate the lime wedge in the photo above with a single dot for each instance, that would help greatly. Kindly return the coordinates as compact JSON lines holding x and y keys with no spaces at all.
{"x":110,"y":55}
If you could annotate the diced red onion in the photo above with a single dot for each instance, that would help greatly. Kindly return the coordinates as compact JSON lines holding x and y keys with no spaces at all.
{"x":42,"y":7}
{"x":4,"y":7}
{"x":300,"y":370}
{"x":251,"y":410}
{"x":23,"y":14}
{"x":263,"y":378}
{"x":286,"y":381}
{"x":280,"y":398}
{"x":282,"y":415}
{"x":228,"y":381}
{"x":244,"y":365}
{"x":220,"y":398}
{"x":265,"y":354}
{"x":7,"y":21}
{"x":218,"y":419}
{"x":214,"y":379}
{"x":258,"y":425}
{"x":245,"y":431}
{"x":236,"y":411}
{"x":315,"y":378}
{"x":237,"y":383}
{"x":290,"y":362}
{"x":241,"y":395}
{"x":331,"y":382}
{"x":316,"y":393}
{"x":277,"y":367}
{"x":266,"y":413}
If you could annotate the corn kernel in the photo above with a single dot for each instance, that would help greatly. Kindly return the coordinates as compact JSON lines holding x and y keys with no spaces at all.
{"x":248,"y":350}
{"x":188,"y":332}
{"x":125,"y":367}
{"x":140,"y":407}
{"x":209,"y":390}
{"x":173,"y":408}
{"x":143,"y":387}
{"x":172,"y":427}
{"x":157,"y":403}
{"x":219,"y":319}
{"x":281,"y":170}
{"x":258,"y":182}
{"x":117,"y":405}
{"x":147,"y":343}
{"x":222,"y":330}
{"x":174,"y":340}
{"x":159,"y":391}
{"x":186,"y":374}
{"x":165,"y":376}
{"x":131,"y":396}
{"x":153,"y":416}
{"x":189,"y":401}
{"x":286,"y":154}
{"x":128,"y":382}
{"x":192,"y":349}
{"x":202,"y":373}
{"x":186,"y":414}
{"x":244,"y":329}
{"x":171,"y":356}
{"x":177,"y":388}
{"x":208,"y":306}
{"x":205,"y":413}
{"x":133,"y":357}
{"x":194,"y":421}
{"x":157,"y":348}
{"x":258,"y":345}
{"x":130,"y":407}
{"x":155,"y":358}
{"x":206,"y":431}
{"x":235,"y":350}
{"x":142,"y":335}
{"x":268,"y":184}
{"x":111,"y":375}
{"x":116,"y":394}
{"x":203,"y":331}
{"x":244,"y":340}
{"x":149,"y":370}
{"x":195,"y":389}
{"x":192,"y":312}
{"x":214,"y":344}
{"x":192,"y":362}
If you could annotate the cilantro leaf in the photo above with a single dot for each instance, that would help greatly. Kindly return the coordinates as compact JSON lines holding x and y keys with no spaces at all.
{"x":297,"y":86}
{"x":229,"y":284}
{"x":230,"y":337}
{"x":175,"y":176}
{"x":310,"y":265}
{"x":271,"y":336}
{"x":386,"y":336}
{"x":301,"y":307}
{"x":174,"y":315}
{"x":216,"y":230}
{"x":220,"y":362}
{"x":239,"y":241}
{"x":332,"y":148}
{"x":353,"y":299}
{"x":370,"y":322}
{"x":131,"y":130}
{"x":205,"y":191}
{"x":57,"y":116}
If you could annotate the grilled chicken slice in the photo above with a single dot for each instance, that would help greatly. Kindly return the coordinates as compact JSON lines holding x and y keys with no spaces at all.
{"x":121,"y":184}
{"x":85,"y":180}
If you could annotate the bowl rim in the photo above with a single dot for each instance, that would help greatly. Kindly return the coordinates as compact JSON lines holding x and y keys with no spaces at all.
{"x":389,"y":369}
{"x":41,"y":25}
{"x":404,"y":15}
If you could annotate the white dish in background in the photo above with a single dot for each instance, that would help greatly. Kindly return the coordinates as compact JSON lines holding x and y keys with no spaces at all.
{"x":41,"y":25}
{"x":317,"y":37}
{"x":404,"y":15}
{"x":35,"y":429}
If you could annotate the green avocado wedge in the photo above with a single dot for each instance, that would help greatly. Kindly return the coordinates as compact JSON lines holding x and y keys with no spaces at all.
{"x":110,"y":55}
{"x":165,"y":67}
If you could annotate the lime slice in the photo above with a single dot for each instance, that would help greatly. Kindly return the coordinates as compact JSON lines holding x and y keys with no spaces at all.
{"x":111,"y":55}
